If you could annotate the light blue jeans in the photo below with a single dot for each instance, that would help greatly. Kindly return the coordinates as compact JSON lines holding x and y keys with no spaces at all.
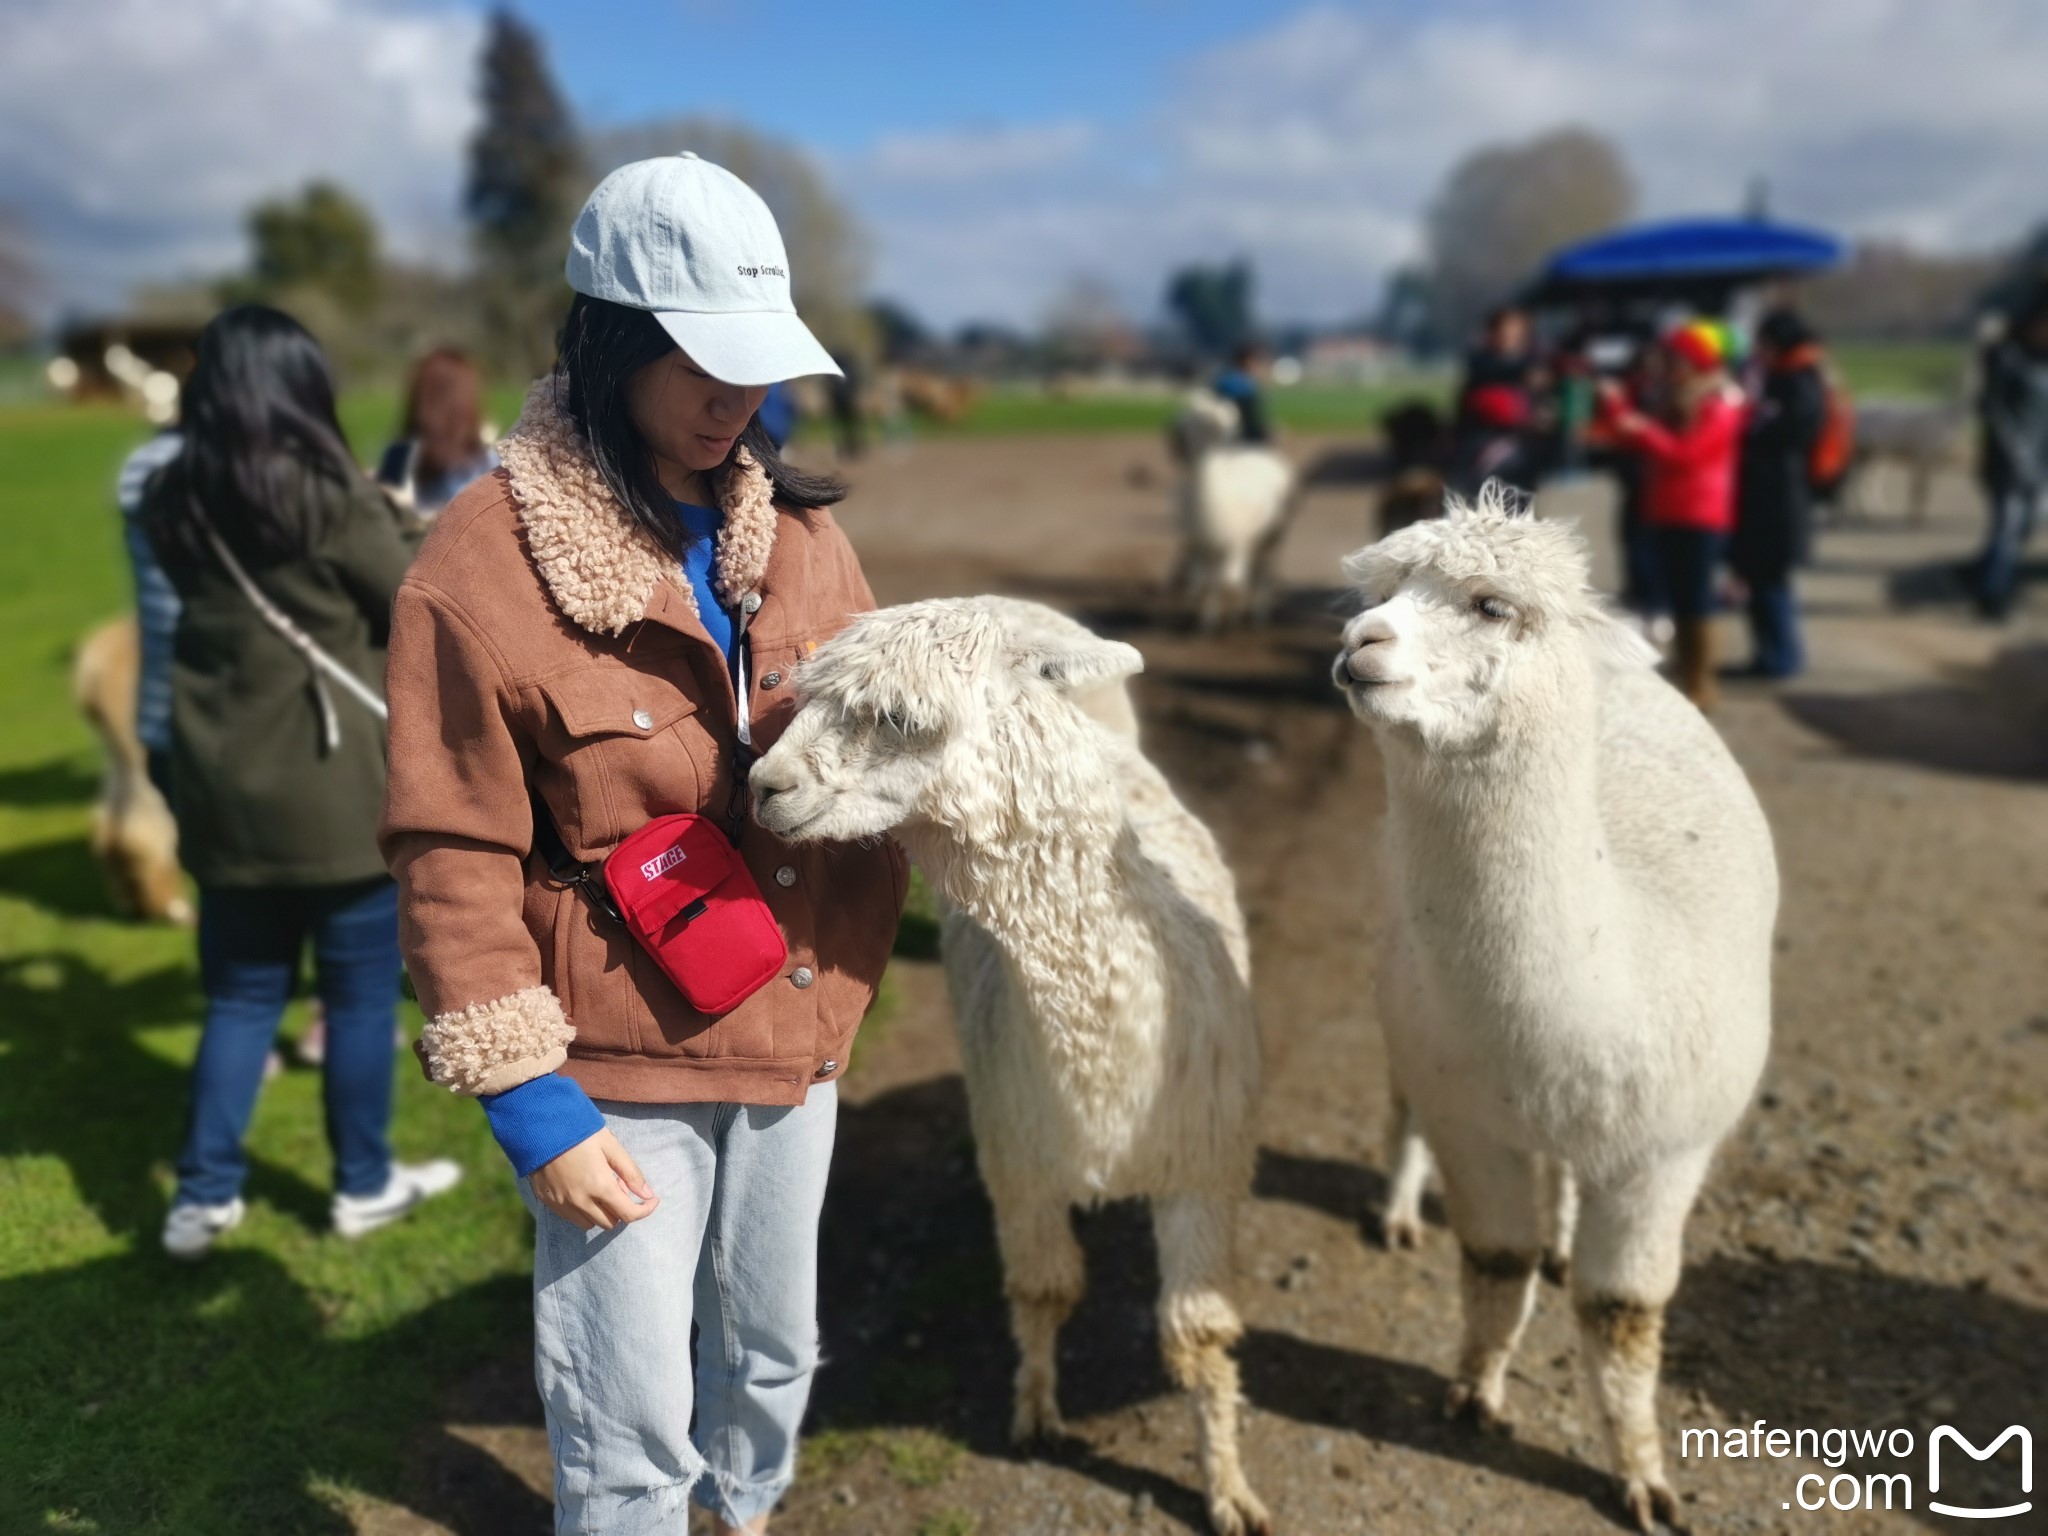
{"x":734,"y":1247}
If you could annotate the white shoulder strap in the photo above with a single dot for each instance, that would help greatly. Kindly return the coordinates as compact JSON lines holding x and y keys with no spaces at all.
{"x":324,"y":666}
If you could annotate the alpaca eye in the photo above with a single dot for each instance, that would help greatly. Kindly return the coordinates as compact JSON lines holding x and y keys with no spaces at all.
{"x":1493,"y":608}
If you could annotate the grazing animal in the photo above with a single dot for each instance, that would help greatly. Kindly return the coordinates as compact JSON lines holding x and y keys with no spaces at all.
{"x":1418,"y":458}
{"x":1921,"y":439}
{"x":133,"y":835}
{"x":1577,"y":970}
{"x":1234,"y":502}
{"x":1096,"y":952}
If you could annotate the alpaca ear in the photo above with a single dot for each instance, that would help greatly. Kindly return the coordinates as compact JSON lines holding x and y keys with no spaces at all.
{"x":1076,"y":663}
{"x":1615,"y":644}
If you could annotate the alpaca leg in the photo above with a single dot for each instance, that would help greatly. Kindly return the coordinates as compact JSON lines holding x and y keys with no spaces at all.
{"x":1491,"y":1193}
{"x":1407,"y":1175}
{"x":1197,"y":1327}
{"x":1625,"y":1264}
{"x":1560,"y":1212}
{"x":1042,"y":1277}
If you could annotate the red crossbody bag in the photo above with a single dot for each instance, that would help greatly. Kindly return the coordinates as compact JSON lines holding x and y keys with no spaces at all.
{"x":679,"y":886}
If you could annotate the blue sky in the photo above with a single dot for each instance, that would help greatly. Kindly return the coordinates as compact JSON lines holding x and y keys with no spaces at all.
{"x":999,"y":157}
{"x":837,"y":76}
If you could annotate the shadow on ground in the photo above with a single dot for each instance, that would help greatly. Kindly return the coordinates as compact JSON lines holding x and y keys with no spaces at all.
{"x":1994,"y":724}
{"x":1800,"y":1344}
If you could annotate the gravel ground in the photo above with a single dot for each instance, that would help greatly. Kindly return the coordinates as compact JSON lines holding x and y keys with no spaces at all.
{"x":1871,"y":1251}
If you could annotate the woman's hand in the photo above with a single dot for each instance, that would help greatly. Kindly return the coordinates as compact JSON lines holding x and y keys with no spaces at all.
{"x":595,"y":1183}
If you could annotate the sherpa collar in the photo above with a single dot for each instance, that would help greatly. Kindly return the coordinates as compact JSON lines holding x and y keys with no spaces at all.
{"x":599,"y":565}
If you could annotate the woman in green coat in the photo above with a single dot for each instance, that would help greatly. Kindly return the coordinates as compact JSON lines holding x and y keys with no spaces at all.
{"x":286,"y":559}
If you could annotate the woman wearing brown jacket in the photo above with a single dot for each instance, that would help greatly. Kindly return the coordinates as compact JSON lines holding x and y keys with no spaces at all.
{"x":603,"y":633}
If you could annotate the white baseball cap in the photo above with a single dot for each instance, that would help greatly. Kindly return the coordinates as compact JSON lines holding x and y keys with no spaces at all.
{"x":695,"y":246}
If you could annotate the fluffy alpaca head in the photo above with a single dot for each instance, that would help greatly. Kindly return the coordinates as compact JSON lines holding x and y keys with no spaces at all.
{"x":1205,"y":420}
{"x":1466,"y":614}
{"x":957,"y":715}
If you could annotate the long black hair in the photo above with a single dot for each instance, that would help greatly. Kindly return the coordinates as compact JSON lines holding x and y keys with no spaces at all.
{"x":603,"y":345}
{"x":258,"y":407}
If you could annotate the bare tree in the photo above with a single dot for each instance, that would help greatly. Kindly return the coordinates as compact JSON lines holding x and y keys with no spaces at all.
{"x":1893,"y":291}
{"x":828,"y":253}
{"x":1503,"y":208}
{"x":19,"y":284}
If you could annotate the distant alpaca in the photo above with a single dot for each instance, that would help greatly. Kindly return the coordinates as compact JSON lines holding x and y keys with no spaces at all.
{"x":1578,"y":967}
{"x":1096,"y":952}
{"x":1234,"y":501}
{"x":133,"y":835}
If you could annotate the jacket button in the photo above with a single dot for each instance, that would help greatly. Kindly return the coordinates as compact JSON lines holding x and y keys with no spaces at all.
{"x":644,"y":719}
{"x":801,"y":977}
{"x":751,"y":603}
{"x":771,"y":679}
{"x":827,"y":1067}
{"x":785,"y":876}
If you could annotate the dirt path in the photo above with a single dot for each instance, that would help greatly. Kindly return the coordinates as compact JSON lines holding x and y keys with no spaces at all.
{"x":1871,"y":1252}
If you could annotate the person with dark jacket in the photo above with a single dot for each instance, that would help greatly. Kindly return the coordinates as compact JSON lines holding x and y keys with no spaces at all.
{"x":1774,"y":489}
{"x":286,"y":560}
{"x":1496,"y":406}
{"x":2013,"y":413}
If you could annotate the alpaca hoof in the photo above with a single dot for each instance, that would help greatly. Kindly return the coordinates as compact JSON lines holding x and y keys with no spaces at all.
{"x":1239,"y":1514}
{"x":1400,"y":1230}
{"x":1650,"y":1502}
{"x":1468,"y":1400}
{"x":1557,"y":1268}
{"x":1036,"y":1423}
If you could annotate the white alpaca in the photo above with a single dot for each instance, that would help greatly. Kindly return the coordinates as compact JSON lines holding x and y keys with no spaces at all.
{"x":1097,"y":956}
{"x":1577,"y":971}
{"x":1233,"y":501}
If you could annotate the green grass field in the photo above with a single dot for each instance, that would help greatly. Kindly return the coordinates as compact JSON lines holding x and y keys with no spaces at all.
{"x":251,"y":1393}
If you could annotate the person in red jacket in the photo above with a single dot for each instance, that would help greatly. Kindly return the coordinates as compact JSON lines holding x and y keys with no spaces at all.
{"x":1688,"y":487}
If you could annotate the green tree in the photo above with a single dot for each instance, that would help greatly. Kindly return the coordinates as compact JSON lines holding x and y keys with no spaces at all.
{"x":322,"y":239}
{"x":526,"y":178}
{"x":1214,"y":304}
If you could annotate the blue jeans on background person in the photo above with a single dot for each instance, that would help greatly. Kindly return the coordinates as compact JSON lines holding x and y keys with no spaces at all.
{"x":1687,"y":561}
{"x":250,"y":943}
{"x":1774,"y":627}
{"x":2014,"y":510}
{"x":733,"y":1249}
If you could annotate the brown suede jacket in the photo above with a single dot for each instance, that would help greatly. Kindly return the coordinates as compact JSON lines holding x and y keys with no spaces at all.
{"x":541,"y":639}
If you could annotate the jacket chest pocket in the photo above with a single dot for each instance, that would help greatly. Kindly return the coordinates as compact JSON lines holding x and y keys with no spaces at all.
{"x":615,"y":754}
{"x":773,"y":680}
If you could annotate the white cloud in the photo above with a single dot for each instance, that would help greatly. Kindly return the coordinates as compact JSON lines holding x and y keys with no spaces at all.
{"x":1313,"y":146}
{"x":970,"y":154}
{"x":135,"y":133}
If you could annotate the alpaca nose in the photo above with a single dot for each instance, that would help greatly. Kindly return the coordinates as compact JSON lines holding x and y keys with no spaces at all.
{"x":1357,"y":658}
{"x":769,"y":779}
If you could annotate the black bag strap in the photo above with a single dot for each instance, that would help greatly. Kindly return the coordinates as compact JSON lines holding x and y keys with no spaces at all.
{"x":563,"y":868}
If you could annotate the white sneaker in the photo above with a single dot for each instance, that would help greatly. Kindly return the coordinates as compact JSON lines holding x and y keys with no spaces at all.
{"x":409,"y":1184}
{"x":190,"y":1230}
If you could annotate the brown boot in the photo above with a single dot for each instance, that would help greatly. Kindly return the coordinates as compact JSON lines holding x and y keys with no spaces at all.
{"x":1696,"y":677}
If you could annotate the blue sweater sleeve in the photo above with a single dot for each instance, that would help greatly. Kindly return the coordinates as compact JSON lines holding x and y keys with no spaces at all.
{"x":541,"y":1119}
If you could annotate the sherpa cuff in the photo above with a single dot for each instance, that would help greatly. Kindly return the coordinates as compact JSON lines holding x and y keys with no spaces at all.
{"x":495,"y":1046}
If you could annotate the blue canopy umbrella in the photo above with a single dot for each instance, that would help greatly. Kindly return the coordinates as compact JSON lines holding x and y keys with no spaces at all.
{"x":1686,"y":258}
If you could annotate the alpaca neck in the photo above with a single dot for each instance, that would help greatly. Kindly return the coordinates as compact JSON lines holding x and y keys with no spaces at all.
{"x":1506,"y":844}
{"x":1052,"y":887}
